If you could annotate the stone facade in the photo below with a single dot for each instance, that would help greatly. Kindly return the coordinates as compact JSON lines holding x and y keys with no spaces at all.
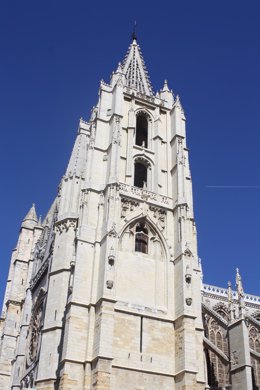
{"x":106,"y":292}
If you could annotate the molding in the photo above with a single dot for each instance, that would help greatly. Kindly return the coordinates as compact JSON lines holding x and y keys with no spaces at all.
{"x":67,"y":360}
{"x":51,"y":328}
{"x":85,"y":305}
{"x":37,"y":381}
{"x":143,"y":314}
{"x":240,"y":368}
{"x":143,"y":370}
{"x":58,"y":271}
{"x":14,"y":302}
{"x":4,"y":374}
{"x":185,"y":370}
{"x":22,"y":261}
{"x":185,"y":315}
{"x":9,"y":335}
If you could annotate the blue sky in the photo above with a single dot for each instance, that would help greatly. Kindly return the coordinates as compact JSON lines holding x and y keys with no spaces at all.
{"x":53,"y":56}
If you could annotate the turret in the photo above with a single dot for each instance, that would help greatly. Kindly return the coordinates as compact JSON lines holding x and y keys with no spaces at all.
{"x":17,"y":284}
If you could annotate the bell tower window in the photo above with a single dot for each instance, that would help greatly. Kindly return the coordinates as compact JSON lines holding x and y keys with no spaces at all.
{"x":141,"y":130}
{"x":140,"y":176}
{"x":141,"y":238}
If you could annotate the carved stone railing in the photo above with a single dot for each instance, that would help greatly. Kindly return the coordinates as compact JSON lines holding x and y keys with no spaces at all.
{"x":223,"y":292}
{"x":207,"y":288}
{"x":151,"y":99}
{"x":252,"y":298}
{"x":143,"y":194}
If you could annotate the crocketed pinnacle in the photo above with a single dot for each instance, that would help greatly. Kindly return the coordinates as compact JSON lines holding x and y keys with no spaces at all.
{"x":135,"y":70}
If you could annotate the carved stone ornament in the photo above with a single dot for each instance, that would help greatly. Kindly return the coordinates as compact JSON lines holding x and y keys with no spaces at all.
{"x":128,"y":206}
{"x":112,"y":232}
{"x":84,"y":198}
{"x":65,"y":225}
{"x":234,"y":358}
{"x":111,"y":257}
{"x":189,"y":301}
{"x":188,"y":252}
{"x":92,"y":136}
{"x":179,"y":343}
{"x":116,"y":135}
{"x":256,"y":315}
{"x":159,"y":215}
{"x":110,"y":284}
{"x":188,"y":278}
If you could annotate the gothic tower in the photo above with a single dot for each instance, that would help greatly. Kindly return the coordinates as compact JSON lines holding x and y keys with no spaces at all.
{"x":111,"y":297}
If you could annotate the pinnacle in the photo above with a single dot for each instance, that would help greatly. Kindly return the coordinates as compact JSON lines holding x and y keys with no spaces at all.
{"x":30,"y":220}
{"x":31,"y":215}
{"x":165,"y":87}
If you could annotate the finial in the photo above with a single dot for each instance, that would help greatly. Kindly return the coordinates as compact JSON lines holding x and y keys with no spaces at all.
{"x":165,"y":87}
{"x":119,"y":68}
{"x":240,"y":294}
{"x":134,"y":36}
{"x":229,"y":284}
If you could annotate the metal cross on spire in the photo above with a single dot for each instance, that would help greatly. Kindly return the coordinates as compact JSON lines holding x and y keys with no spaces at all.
{"x":134,"y":36}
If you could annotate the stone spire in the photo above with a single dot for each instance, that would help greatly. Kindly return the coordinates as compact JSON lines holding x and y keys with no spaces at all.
{"x":30,"y":220}
{"x":240,"y":295}
{"x":135,"y":70}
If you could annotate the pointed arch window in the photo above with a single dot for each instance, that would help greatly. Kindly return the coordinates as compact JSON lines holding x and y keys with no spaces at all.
{"x":141,"y":238}
{"x":141,"y":137}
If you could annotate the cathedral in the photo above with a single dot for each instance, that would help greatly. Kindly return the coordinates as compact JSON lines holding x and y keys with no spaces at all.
{"x":106,"y":292}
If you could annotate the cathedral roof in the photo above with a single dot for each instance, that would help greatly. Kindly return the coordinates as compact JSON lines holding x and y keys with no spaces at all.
{"x":135,"y":70}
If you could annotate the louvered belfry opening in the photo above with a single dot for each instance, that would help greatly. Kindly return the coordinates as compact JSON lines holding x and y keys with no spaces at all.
{"x":141,"y":130}
{"x":140,"y":176}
